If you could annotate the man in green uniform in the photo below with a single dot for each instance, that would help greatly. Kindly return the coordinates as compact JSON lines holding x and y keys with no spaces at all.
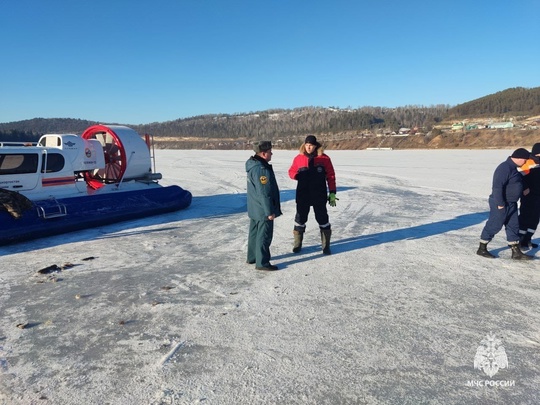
{"x":263,"y":205}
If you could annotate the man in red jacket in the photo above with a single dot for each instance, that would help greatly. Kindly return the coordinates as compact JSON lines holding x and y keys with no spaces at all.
{"x":313,"y":170}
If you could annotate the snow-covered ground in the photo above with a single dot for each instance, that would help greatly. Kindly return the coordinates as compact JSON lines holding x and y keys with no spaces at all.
{"x":166,"y":311}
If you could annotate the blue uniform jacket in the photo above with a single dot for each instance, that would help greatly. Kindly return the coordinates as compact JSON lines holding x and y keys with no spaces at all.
{"x":507,"y":183}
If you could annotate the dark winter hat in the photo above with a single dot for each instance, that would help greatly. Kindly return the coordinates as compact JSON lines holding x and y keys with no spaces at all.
{"x":535,"y":149}
{"x":311,"y":139}
{"x":521,"y":153}
{"x":262,"y":146}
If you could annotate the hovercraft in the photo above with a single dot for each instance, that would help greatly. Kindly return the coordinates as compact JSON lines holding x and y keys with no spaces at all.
{"x":68,"y":182}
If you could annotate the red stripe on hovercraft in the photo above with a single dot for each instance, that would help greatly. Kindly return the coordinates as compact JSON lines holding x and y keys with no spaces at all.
{"x":57,"y":181}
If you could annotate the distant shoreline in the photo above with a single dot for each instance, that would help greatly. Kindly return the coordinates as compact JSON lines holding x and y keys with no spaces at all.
{"x":477,"y":139}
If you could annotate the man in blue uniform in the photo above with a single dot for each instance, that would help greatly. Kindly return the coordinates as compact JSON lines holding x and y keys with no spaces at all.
{"x":263,"y":205}
{"x":507,"y":189}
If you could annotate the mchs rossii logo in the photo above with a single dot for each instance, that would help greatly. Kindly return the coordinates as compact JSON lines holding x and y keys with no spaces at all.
{"x":491,"y":358}
{"x":490,"y":355}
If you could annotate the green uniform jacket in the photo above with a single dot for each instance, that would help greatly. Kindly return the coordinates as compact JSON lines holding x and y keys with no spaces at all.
{"x":262,"y":190}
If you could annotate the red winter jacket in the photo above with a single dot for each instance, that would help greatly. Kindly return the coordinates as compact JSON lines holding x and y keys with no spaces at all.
{"x":313,"y":173}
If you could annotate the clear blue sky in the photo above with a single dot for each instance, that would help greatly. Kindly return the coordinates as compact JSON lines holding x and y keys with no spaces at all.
{"x":135,"y":62}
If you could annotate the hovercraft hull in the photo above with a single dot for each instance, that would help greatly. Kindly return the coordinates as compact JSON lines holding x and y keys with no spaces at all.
{"x":56,"y":216}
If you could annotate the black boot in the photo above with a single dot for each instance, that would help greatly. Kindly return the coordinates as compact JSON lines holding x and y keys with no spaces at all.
{"x":482,"y":251}
{"x":525,"y":241}
{"x":517,"y":254}
{"x":326,"y":233}
{"x":298,"y":238}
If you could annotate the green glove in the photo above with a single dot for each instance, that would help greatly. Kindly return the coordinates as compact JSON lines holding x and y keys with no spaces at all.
{"x":332,"y":199}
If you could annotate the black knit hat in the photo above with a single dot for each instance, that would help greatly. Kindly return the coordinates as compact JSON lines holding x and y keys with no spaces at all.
{"x":535,"y":149}
{"x":521,"y":153}
{"x":312,"y":140}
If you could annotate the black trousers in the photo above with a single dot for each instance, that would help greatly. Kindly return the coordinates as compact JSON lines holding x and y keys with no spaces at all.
{"x":302,"y":212}
{"x":529,"y":213}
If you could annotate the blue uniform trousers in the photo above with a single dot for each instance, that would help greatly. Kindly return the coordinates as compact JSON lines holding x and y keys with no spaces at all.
{"x":507,"y":217}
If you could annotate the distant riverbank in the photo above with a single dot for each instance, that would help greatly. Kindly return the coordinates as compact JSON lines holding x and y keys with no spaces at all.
{"x":478,"y":139}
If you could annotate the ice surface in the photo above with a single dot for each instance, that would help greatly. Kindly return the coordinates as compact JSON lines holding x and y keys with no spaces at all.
{"x":166,"y":311}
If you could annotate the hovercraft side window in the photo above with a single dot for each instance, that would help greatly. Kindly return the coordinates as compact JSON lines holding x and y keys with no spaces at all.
{"x":55,"y":163}
{"x":19,"y":163}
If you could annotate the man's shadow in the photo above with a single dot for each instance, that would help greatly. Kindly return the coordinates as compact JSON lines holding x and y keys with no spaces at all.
{"x":365,"y":241}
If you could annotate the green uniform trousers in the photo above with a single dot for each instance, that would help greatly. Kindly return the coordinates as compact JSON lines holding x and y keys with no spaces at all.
{"x":259,"y":239}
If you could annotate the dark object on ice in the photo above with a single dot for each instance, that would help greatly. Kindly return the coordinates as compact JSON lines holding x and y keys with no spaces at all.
{"x":14,"y":203}
{"x":50,"y":269}
{"x":517,"y":254}
{"x":27,"y":325}
{"x":482,"y":251}
{"x":88,"y":258}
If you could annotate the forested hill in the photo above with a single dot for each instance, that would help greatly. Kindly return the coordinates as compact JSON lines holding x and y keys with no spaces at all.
{"x":271,"y":124}
{"x":282,"y":123}
{"x":517,"y":101}
{"x":31,"y":130}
